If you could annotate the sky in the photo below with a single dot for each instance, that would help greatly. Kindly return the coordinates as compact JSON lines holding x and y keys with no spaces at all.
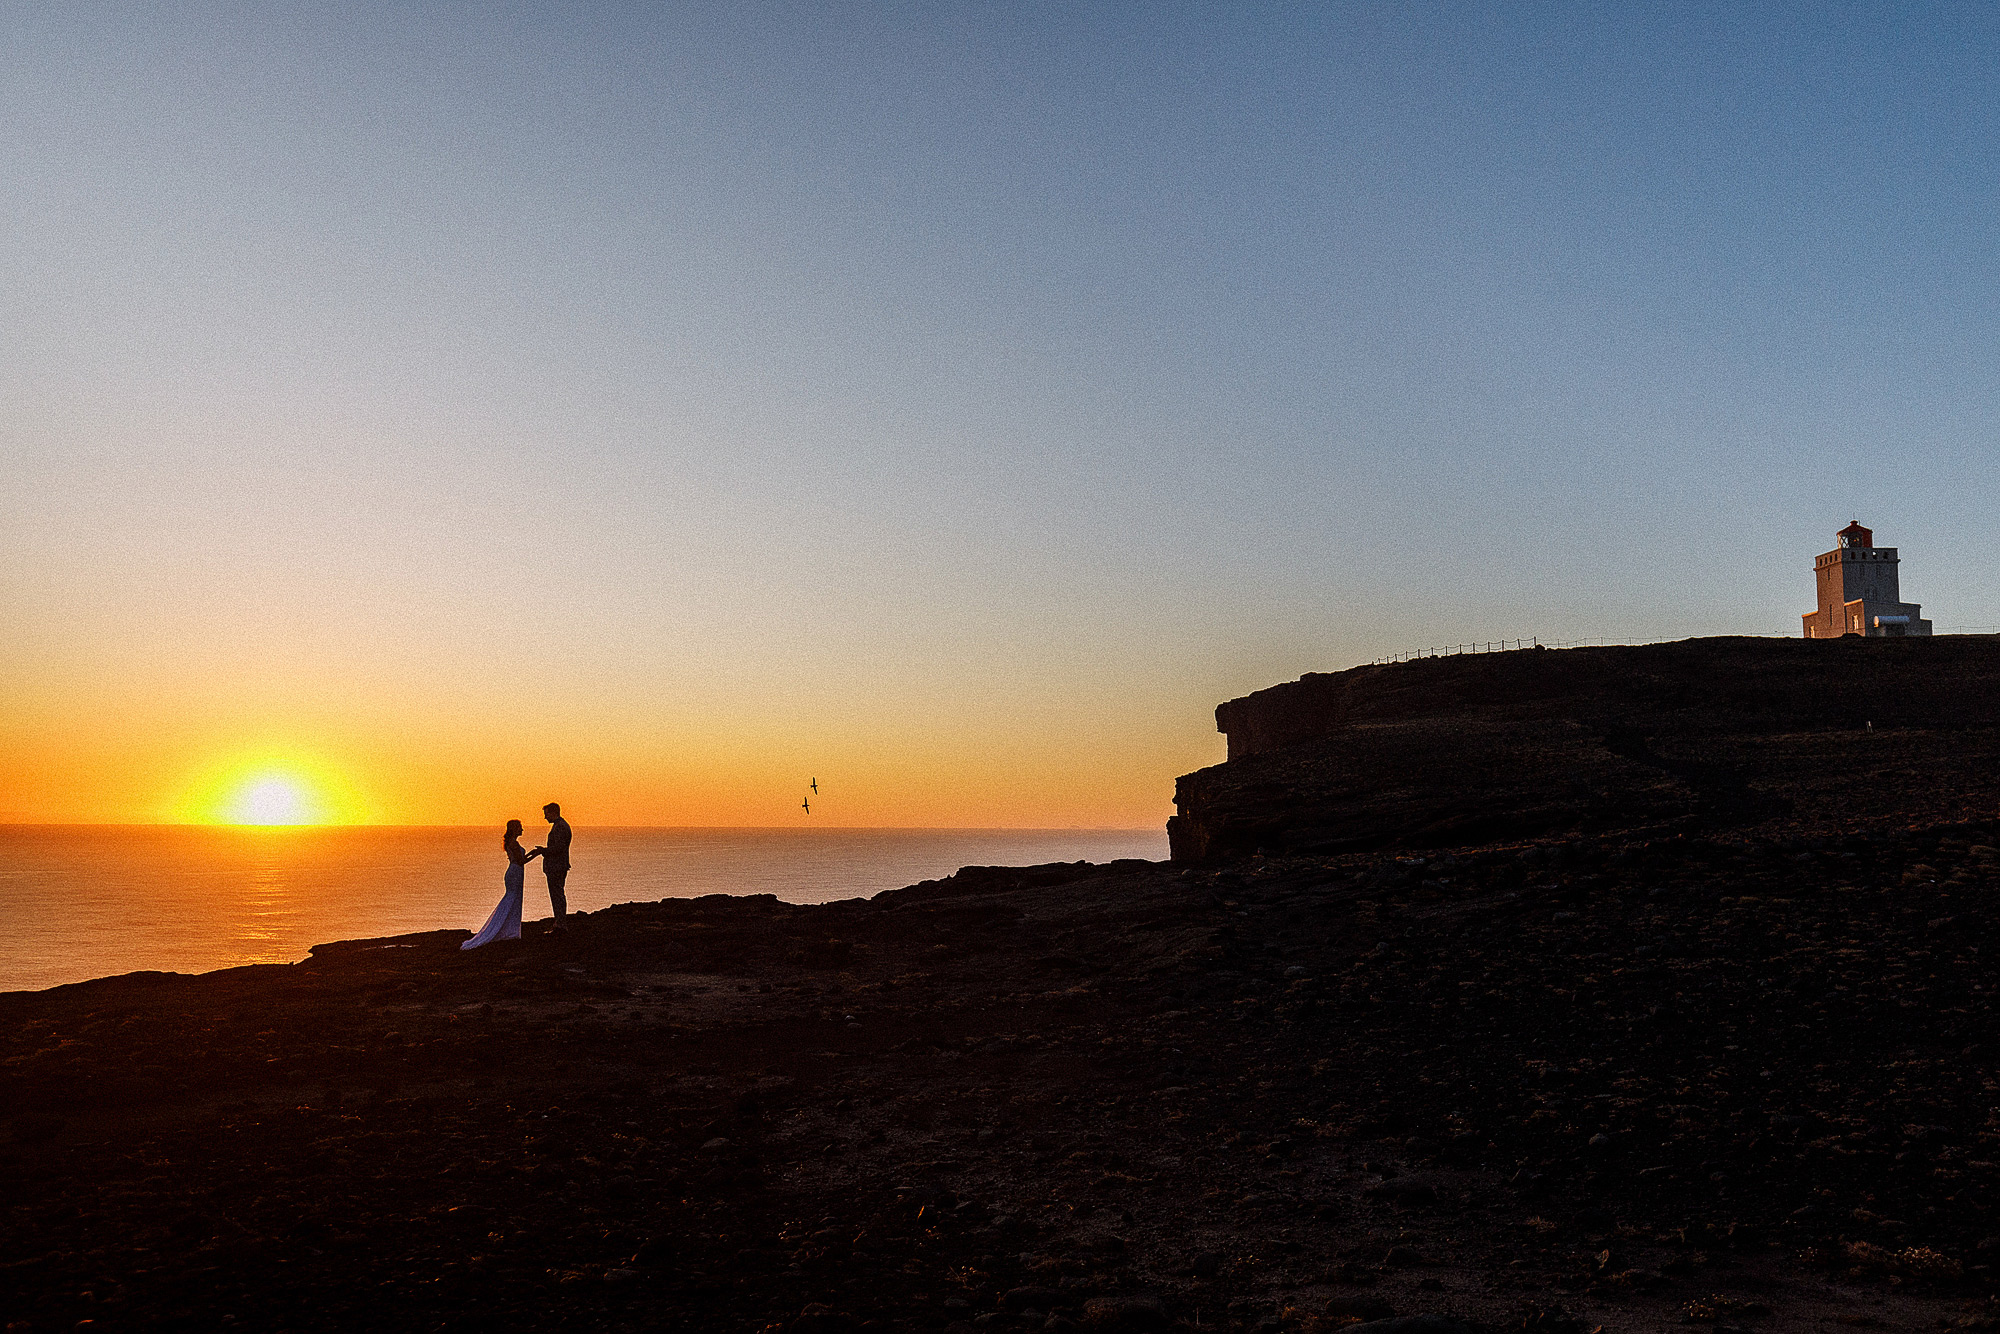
{"x":657,"y":407}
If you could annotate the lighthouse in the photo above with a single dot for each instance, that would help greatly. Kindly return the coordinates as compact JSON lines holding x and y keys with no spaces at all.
{"x":1858,"y":592}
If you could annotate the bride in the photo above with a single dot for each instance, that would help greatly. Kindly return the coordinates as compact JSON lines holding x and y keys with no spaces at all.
{"x":505,"y":923}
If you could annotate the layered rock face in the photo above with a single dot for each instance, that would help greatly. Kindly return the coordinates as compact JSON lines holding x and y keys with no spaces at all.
{"x":1820,"y":735}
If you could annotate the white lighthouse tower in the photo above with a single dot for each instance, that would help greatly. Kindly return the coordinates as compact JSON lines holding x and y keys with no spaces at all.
{"x":1858,"y":592}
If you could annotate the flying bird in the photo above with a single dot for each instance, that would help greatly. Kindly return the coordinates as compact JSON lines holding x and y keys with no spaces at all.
{"x":815,"y":787}
{"x":808,"y":804}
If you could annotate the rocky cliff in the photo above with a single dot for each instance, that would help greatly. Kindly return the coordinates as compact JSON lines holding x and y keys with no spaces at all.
{"x":1824,"y":735}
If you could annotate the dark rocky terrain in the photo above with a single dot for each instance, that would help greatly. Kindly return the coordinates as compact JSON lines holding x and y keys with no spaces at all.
{"x":1820,"y":735}
{"x":1728,"y":1067}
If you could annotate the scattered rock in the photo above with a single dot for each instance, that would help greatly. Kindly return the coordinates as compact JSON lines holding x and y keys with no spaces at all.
{"x":1125,"y":1314}
{"x":1033,"y":1299}
{"x":1595,"y":1220}
{"x":818,"y":1318}
{"x":1360,"y":1307}
{"x":1405,"y":1194}
{"x":1411,"y":1324}
{"x":1530,"y":1185}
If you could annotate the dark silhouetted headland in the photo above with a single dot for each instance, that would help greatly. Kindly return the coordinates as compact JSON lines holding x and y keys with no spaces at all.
{"x":1820,"y":735}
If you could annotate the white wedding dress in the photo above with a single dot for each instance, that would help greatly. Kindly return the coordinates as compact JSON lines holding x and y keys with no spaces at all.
{"x":505,"y":923}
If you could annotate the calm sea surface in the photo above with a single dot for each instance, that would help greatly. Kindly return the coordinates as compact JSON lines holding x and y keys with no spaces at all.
{"x":78,"y":902}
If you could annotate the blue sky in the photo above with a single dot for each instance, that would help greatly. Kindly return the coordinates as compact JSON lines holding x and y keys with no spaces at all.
{"x":1002,"y":371}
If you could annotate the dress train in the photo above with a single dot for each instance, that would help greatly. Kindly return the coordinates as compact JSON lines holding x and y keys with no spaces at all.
{"x":505,"y":923}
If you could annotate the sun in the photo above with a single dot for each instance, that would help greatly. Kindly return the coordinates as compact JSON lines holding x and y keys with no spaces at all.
{"x":272,"y":799}
{"x":272,"y":789}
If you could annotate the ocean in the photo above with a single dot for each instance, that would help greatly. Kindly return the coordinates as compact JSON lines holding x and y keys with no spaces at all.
{"x":84,"y":901}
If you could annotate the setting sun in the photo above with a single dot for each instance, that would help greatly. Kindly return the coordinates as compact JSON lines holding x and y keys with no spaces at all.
{"x":272,"y":790}
{"x":273,"y":799}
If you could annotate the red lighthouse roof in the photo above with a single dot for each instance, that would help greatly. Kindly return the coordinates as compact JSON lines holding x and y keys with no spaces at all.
{"x":1854,"y":535}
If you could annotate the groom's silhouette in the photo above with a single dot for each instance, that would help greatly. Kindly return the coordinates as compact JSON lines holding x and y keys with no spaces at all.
{"x":555,"y":860}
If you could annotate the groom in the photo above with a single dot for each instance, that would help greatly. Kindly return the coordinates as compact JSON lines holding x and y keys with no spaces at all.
{"x":555,"y":860}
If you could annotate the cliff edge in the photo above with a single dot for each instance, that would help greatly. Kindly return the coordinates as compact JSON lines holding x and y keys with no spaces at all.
{"x":1825,"y":735}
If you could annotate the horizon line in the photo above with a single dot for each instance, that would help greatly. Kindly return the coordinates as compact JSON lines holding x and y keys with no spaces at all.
{"x":11,"y":823}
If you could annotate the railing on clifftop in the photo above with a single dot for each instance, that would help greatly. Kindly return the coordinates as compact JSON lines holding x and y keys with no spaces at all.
{"x":1514,"y":645}
{"x":1453,"y":650}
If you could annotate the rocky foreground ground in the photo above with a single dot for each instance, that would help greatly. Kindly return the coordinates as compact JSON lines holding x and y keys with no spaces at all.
{"x":1710,"y":1079}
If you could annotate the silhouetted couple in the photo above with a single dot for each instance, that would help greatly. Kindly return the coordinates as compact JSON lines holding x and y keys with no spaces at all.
{"x":505,"y":923}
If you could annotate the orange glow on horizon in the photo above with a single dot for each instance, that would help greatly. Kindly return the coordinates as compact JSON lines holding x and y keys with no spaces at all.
{"x":186,"y":758}
{"x":273,"y":790}
{"x":978,"y":783}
